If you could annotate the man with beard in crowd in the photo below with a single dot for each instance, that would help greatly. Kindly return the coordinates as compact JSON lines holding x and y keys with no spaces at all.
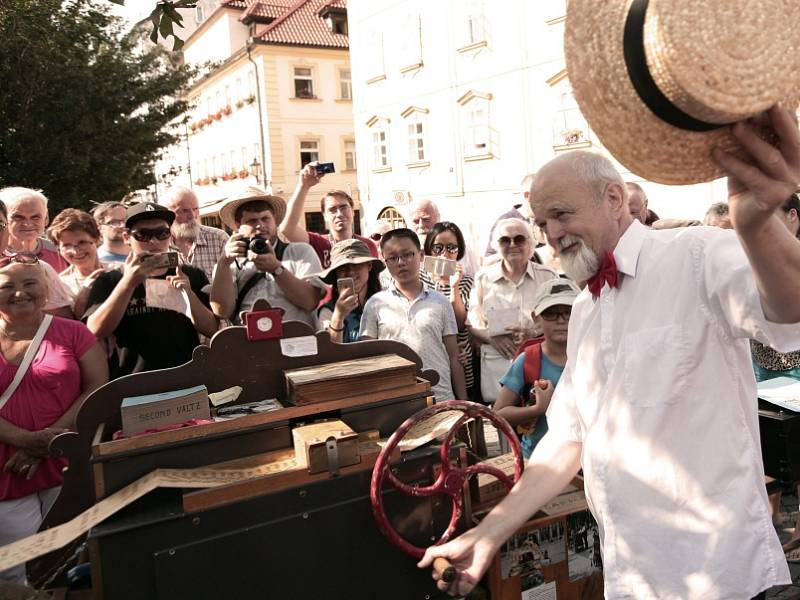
{"x":199,"y":245}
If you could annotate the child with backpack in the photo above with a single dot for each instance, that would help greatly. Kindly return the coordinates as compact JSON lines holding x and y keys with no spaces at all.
{"x":527,"y":386}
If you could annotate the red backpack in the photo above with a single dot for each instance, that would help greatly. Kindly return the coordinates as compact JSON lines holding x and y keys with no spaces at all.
{"x":533,"y":359}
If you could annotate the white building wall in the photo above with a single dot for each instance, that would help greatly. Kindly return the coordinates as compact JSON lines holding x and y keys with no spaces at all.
{"x":517,"y":66}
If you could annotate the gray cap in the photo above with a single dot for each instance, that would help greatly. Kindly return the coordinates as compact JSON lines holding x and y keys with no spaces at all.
{"x":554,"y":292}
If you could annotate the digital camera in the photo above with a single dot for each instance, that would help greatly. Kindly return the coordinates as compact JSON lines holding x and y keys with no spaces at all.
{"x":257,"y":245}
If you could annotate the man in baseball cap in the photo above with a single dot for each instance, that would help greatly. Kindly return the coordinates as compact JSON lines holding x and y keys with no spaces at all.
{"x":124,"y":303}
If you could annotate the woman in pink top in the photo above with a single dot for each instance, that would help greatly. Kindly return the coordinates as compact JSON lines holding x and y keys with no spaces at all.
{"x":68,"y":366}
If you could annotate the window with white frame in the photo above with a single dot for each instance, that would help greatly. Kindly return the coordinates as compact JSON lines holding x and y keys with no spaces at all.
{"x":218,"y":105}
{"x":409,"y":43}
{"x":569,"y":126}
{"x":233,"y":161}
{"x":239,"y":89}
{"x":416,"y":124}
{"x":475,"y":23}
{"x":477,"y":131}
{"x":214,"y":171}
{"x":374,"y":55}
{"x":198,"y":14}
{"x":345,"y":85}
{"x":251,"y":84}
{"x":227,"y":95}
{"x":309,"y":152}
{"x":245,"y":162}
{"x":303,"y":82}
{"x":380,"y":144}
{"x":349,"y":155}
{"x":208,"y":105}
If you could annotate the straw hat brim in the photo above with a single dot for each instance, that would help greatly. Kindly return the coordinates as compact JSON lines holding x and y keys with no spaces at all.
{"x":228,"y":210}
{"x":328,"y":275}
{"x":639,"y":140}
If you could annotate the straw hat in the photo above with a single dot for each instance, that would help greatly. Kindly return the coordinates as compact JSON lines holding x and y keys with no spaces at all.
{"x":710,"y":63}
{"x":248,"y":194}
{"x":349,"y":252}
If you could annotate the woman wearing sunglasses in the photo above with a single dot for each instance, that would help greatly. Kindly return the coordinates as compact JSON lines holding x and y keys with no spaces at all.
{"x":445,"y":240}
{"x":501,"y":302}
{"x":48,"y":365}
{"x":77,"y":236}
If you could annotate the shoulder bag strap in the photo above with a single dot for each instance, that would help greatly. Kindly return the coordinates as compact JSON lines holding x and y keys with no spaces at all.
{"x":30,"y":353}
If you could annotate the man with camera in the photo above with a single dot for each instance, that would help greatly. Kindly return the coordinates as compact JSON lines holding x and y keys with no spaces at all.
{"x":257,"y":264}
{"x":337,"y":210}
{"x":154,"y":307}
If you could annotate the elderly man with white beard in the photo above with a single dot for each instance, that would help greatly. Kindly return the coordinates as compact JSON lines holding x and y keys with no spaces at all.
{"x":657,"y":402}
{"x":199,"y":245}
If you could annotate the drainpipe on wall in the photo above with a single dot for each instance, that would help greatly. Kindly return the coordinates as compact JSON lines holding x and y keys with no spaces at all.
{"x":250,"y":43}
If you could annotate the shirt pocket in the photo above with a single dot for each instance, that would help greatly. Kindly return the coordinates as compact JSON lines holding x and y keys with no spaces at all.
{"x":657,"y":363}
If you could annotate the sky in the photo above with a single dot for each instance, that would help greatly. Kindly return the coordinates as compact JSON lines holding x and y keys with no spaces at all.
{"x":134,"y":10}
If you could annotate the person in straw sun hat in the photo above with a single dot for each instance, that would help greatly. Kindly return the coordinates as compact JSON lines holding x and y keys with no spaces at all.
{"x":657,"y":401}
{"x":660,"y":81}
{"x":257,"y":264}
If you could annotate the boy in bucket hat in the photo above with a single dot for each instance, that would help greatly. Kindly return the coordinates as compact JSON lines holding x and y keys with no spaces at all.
{"x":527,"y":387}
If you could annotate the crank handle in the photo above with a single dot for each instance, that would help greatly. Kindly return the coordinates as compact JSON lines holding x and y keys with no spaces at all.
{"x":445,"y":571}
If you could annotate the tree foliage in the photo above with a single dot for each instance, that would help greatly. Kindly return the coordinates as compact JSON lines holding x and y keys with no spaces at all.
{"x":84,"y":106}
{"x":164,"y":16}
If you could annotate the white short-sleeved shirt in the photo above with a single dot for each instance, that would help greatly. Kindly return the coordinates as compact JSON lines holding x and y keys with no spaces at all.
{"x":660,"y":390}
{"x":302,"y":262}
{"x":420,"y":324}
{"x":494,"y":291}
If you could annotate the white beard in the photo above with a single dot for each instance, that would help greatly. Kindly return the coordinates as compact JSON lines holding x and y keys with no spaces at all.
{"x":185,"y":231}
{"x":578,"y":266}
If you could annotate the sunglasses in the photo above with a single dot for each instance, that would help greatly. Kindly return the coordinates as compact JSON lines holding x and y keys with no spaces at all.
{"x":145,"y":235}
{"x":22,"y":259}
{"x":438,"y":249}
{"x":517,"y":239}
{"x":552,"y":314}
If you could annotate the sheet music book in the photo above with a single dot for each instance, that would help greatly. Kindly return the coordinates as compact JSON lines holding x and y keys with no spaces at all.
{"x":781,"y":391}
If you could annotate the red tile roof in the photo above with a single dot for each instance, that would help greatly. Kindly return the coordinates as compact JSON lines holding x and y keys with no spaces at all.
{"x":295,"y":22}
{"x":302,"y":26}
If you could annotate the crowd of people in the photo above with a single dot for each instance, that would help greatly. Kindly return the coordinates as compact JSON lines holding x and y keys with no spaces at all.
{"x":92,"y":297}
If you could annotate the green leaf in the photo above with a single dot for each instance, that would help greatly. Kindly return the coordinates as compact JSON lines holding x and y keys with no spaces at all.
{"x":174,"y":15}
{"x":177,"y":43}
{"x":165,"y":27}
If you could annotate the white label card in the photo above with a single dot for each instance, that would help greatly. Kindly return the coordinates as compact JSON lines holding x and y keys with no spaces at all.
{"x":299,"y":346}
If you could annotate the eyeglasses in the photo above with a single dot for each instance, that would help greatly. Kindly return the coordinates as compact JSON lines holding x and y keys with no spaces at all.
{"x":396,"y":258}
{"x":82,"y":245}
{"x":22,"y":259}
{"x":438,"y":249}
{"x":551,"y":314}
{"x":145,"y":235}
{"x":517,"y":239}
{"x":115,"y":223}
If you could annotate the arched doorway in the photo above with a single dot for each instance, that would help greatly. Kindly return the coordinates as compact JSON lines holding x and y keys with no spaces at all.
{"x":391,"y":214}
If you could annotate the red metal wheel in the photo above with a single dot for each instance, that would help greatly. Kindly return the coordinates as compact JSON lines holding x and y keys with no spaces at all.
{"x":450,"y":480}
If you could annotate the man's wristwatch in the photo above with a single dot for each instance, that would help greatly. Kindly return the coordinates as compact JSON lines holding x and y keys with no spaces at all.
{"x":278,"y":271}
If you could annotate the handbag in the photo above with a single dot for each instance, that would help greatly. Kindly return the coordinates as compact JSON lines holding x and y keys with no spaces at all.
{"x":30,"y":354}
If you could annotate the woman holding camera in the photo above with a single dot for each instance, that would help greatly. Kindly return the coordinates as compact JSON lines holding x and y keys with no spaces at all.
{"x":446,"y":241}
{"x":354,"y":275}
{"x":48,"y":365}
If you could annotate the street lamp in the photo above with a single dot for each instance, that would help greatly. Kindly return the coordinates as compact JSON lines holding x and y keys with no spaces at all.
{"x":255,"y":168}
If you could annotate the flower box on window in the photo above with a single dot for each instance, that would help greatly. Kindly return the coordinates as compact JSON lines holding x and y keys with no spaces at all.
{"x":250,"y":99}
{"x":217,"y":115}
{"x":239,"y":103}
{"x":227,"y":110}
{"x":572,"y":136}
{"x":244,"y":174}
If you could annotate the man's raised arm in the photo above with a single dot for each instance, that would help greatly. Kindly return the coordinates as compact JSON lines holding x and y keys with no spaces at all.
{"x":292,"y":227}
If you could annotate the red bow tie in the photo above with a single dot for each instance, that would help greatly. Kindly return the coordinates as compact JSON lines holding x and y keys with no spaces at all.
{"x":607,"y":273}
